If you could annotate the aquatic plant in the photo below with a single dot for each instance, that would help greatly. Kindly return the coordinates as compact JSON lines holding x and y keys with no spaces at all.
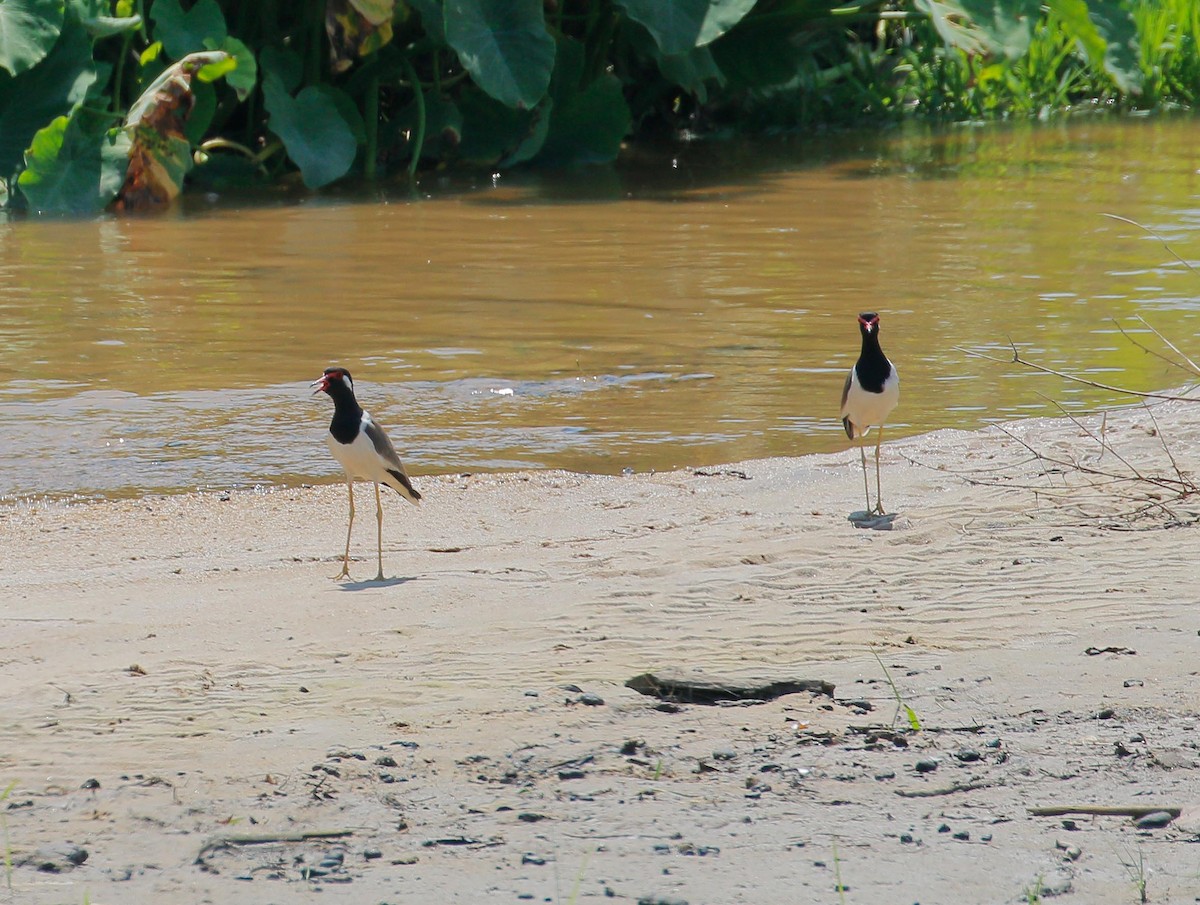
{"x":118,"y":102}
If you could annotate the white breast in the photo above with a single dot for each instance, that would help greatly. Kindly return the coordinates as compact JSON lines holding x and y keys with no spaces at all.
{"x":866,"y":410}
{"x":359,"y":458}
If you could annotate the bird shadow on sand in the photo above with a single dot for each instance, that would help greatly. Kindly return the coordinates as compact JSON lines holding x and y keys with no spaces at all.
{"x":373,"y":583}
{"x":874,"y":521}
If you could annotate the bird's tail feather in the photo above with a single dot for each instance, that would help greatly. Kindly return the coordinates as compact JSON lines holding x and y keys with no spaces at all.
{"x":405,"y":488}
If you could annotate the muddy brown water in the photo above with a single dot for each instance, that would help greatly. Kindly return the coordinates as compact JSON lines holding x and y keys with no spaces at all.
{"x":689,"y":307}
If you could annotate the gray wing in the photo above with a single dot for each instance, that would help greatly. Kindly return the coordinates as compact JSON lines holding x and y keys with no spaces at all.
{"x":387,"y":452}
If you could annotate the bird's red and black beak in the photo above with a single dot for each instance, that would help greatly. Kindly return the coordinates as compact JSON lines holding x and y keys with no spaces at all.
{"x":321,"y":384}
{"x":869,"y":321}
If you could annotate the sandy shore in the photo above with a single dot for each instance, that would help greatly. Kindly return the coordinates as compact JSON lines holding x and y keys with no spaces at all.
{"x":180,"y":671}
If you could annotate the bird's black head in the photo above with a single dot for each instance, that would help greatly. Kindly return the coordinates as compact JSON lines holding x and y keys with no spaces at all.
{"x":868,"y":322}
{"x":335,"y":382}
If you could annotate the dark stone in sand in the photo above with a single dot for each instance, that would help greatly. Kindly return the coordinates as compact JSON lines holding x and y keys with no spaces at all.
{"x":90,"y":784}
{"x":1154,"y":821}
{"x":925,"y":766}
{"x":967,"y":756}
{"x":385,"y":760}
{"x":698,"y":688}
{"x":591,"y":699}
{"x":661,"y":900}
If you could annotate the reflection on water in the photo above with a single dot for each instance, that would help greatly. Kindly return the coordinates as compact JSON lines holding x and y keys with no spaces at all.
{"x":692,"y":308}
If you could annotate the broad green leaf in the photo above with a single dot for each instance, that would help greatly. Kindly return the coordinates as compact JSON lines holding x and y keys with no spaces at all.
{"x":28,"y":29}
{"x":375,"y":11}
{"x":531,"y":145}
{"x":240,"y":70}
{"x":589,"y":125}
{"x":313,"y":131}
{"x":1115,"y":24}
{"x":432,"y":19}
{"x":504,"y":45}
{"x":50,"y":89}
{"x":74,"y":165}
{"x":680,"y":25}
{"x":184,"y":32}
{"x":96,"y":16}
{"x":490,"y":130}
{"x":282,"y":64}
{"x":954,"y":25}
{"x":692,"y":70}
{"x":443,"y":127}
{"x":586,"y":123}
{"x":1007,"y":25}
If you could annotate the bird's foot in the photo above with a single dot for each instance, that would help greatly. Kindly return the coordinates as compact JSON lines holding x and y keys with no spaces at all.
{"x":380,"y":577}
{"x":345,"y":573}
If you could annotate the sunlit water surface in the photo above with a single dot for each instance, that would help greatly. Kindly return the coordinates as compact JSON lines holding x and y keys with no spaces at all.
{"x":689,"y":307}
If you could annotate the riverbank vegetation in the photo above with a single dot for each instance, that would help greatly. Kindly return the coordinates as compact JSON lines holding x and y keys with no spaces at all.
{"x":118,"y":103}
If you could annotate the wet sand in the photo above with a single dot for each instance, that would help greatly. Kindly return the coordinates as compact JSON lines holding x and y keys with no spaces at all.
{"x":183,"y":678}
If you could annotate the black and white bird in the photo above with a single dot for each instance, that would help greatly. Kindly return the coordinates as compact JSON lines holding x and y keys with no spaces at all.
{"x":364,"y":451}
{"x":871,"y":392}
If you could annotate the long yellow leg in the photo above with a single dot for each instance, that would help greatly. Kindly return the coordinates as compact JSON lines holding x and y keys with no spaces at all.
{"x":866,"y":485}
{"x":379,"y":531}
{"x":345,"y":573}
{"x":878,"y":491}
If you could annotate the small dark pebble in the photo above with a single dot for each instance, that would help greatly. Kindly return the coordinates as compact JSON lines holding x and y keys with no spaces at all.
{"x":55,"y":859}
{"x":530,"y":693}
{"x":591,"y":699}
{"x":1134,"y":683}
{"x":303,"y":690}
{"x":885,"y":774}
{"x":372,"y":853}
{"x":412,"y":746}
{"x":724,"y":754}
{"x":90,"y":784}
{"x":527,"y":858}
{"x":661,"y":900}
{"x":631,"y":746}
{"x":571,"y":774}
{"x":944,"y":828}
{"x":525,"y":895}
{"x":994,"y":743}
{"x":967,"y":756}
{"x":986,"y":837}
{"x":386,"y":777}
{"x":1106,"y":714}
{"x":385,"y":760}
{"x":963,"y":835}
{"x":1154,"y":821}
{"x":925,"y":766}
{"x":574,"y":688}
{"x":662,"y":849}
{"x":529,"y":817}
{"x":670,"y":707}
{"x":1070,"y":825}
{"x":906,"y":838}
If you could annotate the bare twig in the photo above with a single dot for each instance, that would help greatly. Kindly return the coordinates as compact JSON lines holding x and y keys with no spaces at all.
{"x":1099,"y":810}
{"x":1165,"y":243}
{"x":1124,"y":391}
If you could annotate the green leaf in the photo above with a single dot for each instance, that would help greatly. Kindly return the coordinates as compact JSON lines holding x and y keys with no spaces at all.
{"x":74,"y":165}
{"x":490,"y":130}
{"x":954,"y":26}
{"x":95,"y":17}
{"x":432,"y":19}
{"x":914,"y":723}
{"x":184,"y":32}
{"x":312,"y":128}
{"x":50,"y":89}
{"x":1115,"y":24}
{"x":204,"y":107}
{"x":1007,"y":25}
{"x":680,"y":25}
{"x":504,"y":45}
{"x":586,"y":124}
{"x":283,"y":65}
{"x":28,"y":29}
{"x":240,"y":70}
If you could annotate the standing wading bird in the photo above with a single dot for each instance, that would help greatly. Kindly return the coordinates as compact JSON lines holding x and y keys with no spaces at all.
{"x":364,"y":451}
{"x":871,"y":392}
